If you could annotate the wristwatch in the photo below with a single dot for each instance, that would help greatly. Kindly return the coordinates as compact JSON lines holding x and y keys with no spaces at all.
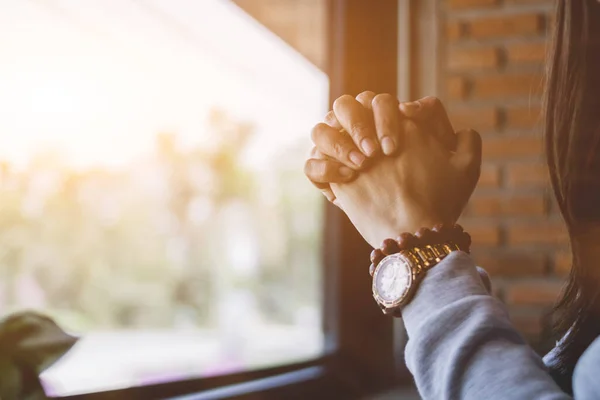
{"x":397,"y":276}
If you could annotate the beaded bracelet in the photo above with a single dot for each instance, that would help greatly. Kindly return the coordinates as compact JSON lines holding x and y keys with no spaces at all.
{"x":440,"y":234}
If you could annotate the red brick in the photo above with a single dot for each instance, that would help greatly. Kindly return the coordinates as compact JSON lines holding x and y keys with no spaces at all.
{"x":504,"y":147}
{"x":548,"y":233}
{"x":457,"y":87}
{"x":527,"y":175}
{"x":528,"y":1}
{"x":533,"y":293}
{"x":509,"y":85}
{"x":510,"y":264}
{"x":484,"y":235}
{"x":478,"y":58}
{"x":526,"y":53}
{"x":458,"y":4}
{"x":454,"y":30}
{"x":489,"y":177}
{"x":562,"y":263}
{"x":523,"y":117}
{"x":484,"y":206}
{"x":509,"y":25}
{"x":480,"y":118}
{"x":523,"y":205}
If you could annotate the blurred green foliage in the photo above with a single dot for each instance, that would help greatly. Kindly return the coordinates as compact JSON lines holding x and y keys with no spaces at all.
{"x":153,"y":244}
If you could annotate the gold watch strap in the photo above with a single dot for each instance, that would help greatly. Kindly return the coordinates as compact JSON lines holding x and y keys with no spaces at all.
{"x":425,"y":257}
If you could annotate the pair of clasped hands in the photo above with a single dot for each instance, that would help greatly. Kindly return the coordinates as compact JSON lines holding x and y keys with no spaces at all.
{"x":393,"y":167}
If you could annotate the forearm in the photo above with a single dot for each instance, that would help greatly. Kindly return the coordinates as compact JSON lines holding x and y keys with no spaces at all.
{"x":462,"y":344}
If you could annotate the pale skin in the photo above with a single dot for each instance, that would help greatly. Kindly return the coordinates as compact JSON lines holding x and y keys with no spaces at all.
{"x":427,"y":179}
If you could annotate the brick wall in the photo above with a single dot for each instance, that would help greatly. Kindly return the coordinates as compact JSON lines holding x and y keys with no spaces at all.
{"x":491,"y":80}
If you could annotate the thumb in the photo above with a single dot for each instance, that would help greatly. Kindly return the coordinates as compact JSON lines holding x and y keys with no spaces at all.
{"x":468,"y":153}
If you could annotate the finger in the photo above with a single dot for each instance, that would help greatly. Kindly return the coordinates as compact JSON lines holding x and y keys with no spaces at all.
{"x":366,"y":99}
{"x":431,"y":111}
{"x":315,"y":153}
{"x":327,"y":171}
{"x":356,"y":120}
{"x":325,"y":188}
{"x":468,"y":153}
{"x":323,"y":172}
{"x":337,"y":145}
{"x":331,"y":120}
{"x":387,"y":122}
{"x":328,"y":193}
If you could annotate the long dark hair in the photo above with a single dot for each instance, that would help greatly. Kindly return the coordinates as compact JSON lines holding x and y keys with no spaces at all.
{"x":572,"y":139}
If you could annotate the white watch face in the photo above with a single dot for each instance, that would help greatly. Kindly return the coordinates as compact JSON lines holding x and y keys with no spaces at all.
{"x":392,"y":279}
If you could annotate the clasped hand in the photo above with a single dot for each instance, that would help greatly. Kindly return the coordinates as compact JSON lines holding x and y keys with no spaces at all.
{"x":393,"y":167}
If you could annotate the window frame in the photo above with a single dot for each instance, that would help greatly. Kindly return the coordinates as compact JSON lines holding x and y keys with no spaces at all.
{"x":359,"y":352}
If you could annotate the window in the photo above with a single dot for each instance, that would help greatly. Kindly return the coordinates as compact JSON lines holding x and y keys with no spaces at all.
{"x":152,"y":197}
{"x":152,"y":200}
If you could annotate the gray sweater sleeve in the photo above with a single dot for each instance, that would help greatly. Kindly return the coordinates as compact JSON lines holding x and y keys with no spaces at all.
{"x":586,"y":385}
{"x":461,"y":344}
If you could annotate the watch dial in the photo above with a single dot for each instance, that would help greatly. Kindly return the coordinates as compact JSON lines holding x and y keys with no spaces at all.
{"x":392,"y":278}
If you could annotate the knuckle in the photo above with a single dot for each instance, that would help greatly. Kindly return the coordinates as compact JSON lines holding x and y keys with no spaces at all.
{"x":432,"y":105}
{"x":366,"y":93}
{"x":474,"y":133}
{"x":365,"y":96}
{"x":338,"y":149}
{"x":358,"y":129}
{"x":313,"y":170}
{"x":317,"y":132}
{"x":474,"y":136}
{"x":435,"y":101}
{"x":340,"y":101}
{"x":383,"y":99}
{"x":308,"y":168}
{"x":330,"y":118}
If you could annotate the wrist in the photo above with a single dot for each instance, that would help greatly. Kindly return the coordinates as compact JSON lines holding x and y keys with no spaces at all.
{"x":419,"y":214}
{"x":393,"y":228}
{"x":399,"y":264}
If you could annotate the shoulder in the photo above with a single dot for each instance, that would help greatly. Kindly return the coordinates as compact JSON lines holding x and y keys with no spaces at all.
{"x":585,"y":378}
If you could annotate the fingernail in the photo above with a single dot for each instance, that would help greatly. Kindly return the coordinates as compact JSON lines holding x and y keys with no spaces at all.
{"x":330,"y":196}
{"x":368,"y":146}
{"x":357,"y":158}
{"x":388,"y":145}
{"x":345,"y":172}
